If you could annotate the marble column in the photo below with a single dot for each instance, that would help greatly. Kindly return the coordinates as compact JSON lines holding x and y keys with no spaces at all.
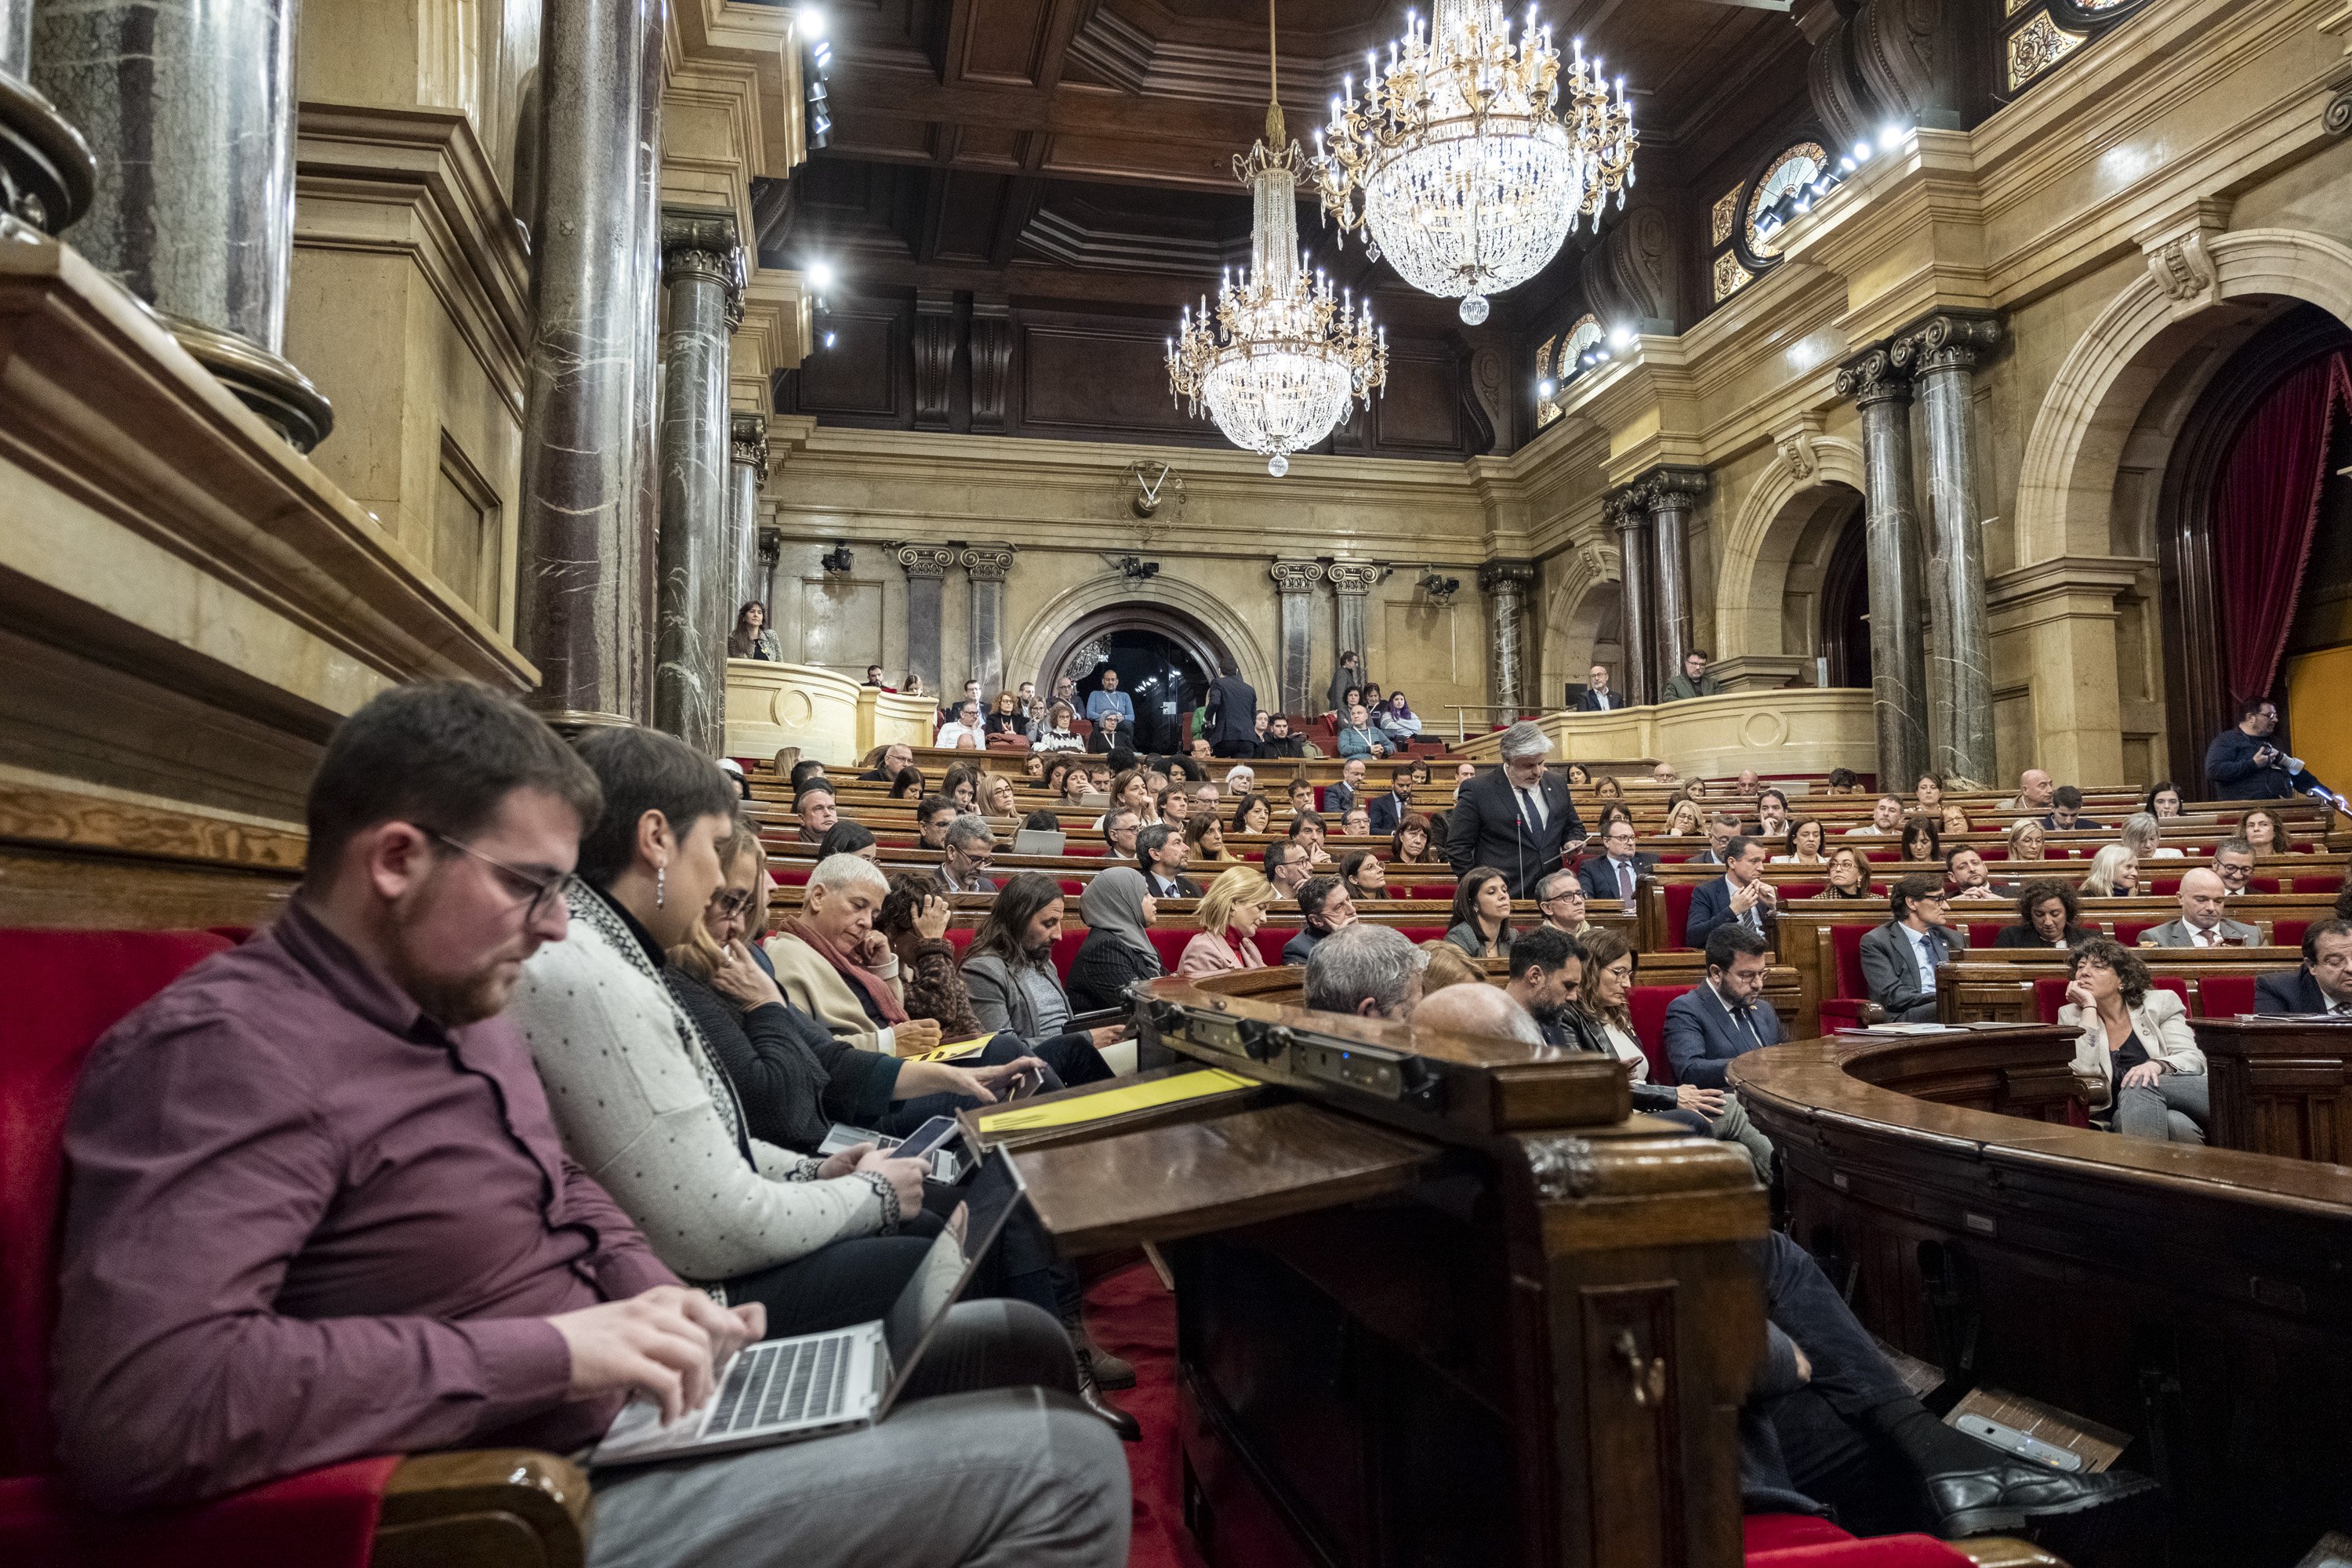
{"x":772,"y":551}
{"x":583,"y":531}
{"x":1505,"y":583}
{"x":988,"y":565}
{"x":1625,"y":512}
{"x":190,"y":112}
{"x":1940,"y":355}
{"x":1352,"y":587}
{"x":47,"y":172}
{"x":1294,"y":583}
{"x":747,"y":451}
{"x":702,"y":274}
{"x":1897,"y":598}
{"x":927,"y":569}
{"x":1670,"y":495}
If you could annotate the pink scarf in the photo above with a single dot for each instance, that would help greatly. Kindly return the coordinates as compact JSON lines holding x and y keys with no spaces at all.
{"x":857,"y":974}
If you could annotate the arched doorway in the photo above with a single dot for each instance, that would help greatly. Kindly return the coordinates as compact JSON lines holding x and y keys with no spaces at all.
{"x":1164,"y":657}
{"x":1844,"y":632}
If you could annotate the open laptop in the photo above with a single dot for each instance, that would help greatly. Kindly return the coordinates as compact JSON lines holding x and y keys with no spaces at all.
{"x":783,"y":1391}
{"x":1038,"y":841}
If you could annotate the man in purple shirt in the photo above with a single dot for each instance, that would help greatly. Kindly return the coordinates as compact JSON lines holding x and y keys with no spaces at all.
{"x":317,"y":1209}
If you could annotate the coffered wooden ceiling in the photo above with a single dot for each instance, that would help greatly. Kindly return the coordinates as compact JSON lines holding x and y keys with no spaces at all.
{"x":1093,"y":140}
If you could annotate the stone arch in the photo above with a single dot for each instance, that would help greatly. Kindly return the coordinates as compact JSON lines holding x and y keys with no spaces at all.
{"x":1584,"y":612}
{"x":2066,"y":479}
{"x":1777,"y":525}
{"x":1192,"y":614}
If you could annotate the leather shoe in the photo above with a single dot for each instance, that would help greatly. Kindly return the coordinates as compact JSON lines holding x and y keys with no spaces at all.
{"x":1129,"y":1428}
{"x":1110,"y":1370}
{"x":2010,"y":1496}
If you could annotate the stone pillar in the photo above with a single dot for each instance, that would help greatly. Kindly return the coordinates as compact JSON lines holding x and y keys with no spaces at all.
{"x":1631,"y":518}
{"x":582,"y":608}
{"x":772,"y":551}
{"x":1294,"y":583}
{"x":1940,"y":354}
{"x":1669,"y":495}
{"x":47,"y":174}
{"x":1351,"y":588}
{"x":747,"y":449}
{"x":927,"y":568}
{"x":702,"y":273}
{"x":988,"y":565}
{"x":1505,"y":583}
{"x":190,"y":111}
{"x":1897,"y":600}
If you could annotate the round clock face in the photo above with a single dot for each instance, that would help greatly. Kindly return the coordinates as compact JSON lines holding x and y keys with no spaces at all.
{"x":1580,"y":337}
{"x":1792,"y":169}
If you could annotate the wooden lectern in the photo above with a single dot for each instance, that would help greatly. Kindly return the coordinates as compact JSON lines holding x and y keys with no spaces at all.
{"x":2281,"y":1085}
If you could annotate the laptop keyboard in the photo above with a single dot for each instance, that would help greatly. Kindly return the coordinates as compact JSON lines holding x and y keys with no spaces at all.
{"x":782,"y":1381}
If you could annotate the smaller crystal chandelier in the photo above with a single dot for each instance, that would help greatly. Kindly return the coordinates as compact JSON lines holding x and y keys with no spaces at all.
{"x":1469,"y":157}
{"x":1281,"y":357}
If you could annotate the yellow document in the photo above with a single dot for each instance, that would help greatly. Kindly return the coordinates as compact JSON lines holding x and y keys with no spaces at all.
{"x":1115,"y":1101}
{"x":954,"y":1050}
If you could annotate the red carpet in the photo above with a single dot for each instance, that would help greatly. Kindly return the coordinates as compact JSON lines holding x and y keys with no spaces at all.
{"x":1131,"y":1315}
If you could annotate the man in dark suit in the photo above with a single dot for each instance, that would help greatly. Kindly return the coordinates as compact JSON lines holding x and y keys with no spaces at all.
{"x":1726,"y":1016}
{"x":1391,"y":808}
{"x":1619,"y":866}
{"x":1598,"y":697}
{"x":1899,"y":959}
{"x":2324,"y":983}
{"x":2243,"y":765}
{"x":1741,"y":896}
{"x":1517,"y":817}
{"x":1231,"y":710}
{"x":1340,"y":798}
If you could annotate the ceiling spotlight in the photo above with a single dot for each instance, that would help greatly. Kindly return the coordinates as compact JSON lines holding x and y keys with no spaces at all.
{"x":1862,"y":151}
{"x":1890,"y":137}
{"x":828,"y":340}
{"x":811,"y":22}
{"x":819,"y":274}
{"x":1621,"y":337}
{"x":1546,"y":387}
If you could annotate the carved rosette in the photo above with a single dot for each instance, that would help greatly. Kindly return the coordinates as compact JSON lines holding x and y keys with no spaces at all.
{"x":1946,"y":340}
{"x":987,"y":562}
{"x":1562,"y":1167}
{"x":1295,"y":576}
{"x":926,"y":560}
{"x":747,"y":442}
{"x":1873,"y":376}
{"x":1352,"y":577}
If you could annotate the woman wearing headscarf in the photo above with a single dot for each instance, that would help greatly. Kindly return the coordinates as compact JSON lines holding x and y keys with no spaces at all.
{"x":1118,"y":909}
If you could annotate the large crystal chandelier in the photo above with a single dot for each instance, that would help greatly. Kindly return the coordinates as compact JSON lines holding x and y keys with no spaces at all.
{"x":1470,"y":157}
{"x":1281,"y":357}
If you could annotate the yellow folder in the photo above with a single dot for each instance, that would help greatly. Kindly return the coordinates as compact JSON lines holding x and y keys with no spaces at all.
{"x":1121,"y":1101}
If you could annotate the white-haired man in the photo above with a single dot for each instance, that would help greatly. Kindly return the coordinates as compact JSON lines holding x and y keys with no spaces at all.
{"x":1517,"y":817}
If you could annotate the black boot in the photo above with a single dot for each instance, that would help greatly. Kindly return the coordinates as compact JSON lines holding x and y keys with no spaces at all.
{"x":1110,"y":1370}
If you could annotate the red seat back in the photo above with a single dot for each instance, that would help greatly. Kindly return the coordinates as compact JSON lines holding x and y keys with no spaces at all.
{"x":1648,"y":1005}
{"x":2050,"y":992}
{"x":959,"y":937}
{"x":2285,"y":933}
{"x":1678,"y":903}
{"x":1800,"y":890}
{"x":2159,"y":887}
{"x":1270,"y":939}
{"x":1065,"y":948}
{"x":65,"y":989}
{"x":1169,"y":944}
{"x":1845,"y":947}
{"x":2226,"y":995}
{"x":2128,"y":931}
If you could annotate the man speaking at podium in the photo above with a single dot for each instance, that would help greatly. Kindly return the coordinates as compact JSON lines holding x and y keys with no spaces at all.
{"x":1517,"y":819}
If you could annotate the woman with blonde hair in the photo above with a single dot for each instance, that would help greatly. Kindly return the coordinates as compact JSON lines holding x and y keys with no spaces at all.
{"x":1447,"y":966}
{"x":1684,"y":820}
{"x":1230,"y":913}
{"x":2144,"y":837}
{"x":1609,"y":789}
{"x":2115,"y":874}
{"x":997,"y":797}
{"x":2026,"y":840}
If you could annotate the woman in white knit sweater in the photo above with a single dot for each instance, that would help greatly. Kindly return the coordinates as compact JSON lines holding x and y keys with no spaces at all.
{"x":644,"y":1105}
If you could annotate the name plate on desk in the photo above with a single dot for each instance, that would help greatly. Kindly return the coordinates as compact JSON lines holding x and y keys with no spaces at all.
{"x":1433,"y":1082}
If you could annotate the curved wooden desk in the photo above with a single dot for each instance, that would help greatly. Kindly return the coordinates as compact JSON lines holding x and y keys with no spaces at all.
{"x":2197,"y":1299}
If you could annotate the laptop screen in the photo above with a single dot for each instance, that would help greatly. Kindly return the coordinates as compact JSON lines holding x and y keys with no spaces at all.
{"x":989,"y":1199}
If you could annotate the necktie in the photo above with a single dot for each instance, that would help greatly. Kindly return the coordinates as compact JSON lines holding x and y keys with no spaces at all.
{"x":1533,"y":811}
{"x":2204,"y":939}
{"x":1624,"y":880}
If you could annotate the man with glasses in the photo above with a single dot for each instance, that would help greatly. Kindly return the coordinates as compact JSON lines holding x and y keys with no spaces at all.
{"x":2243,"y":765}
{"x":1560,"y":899}
{"x":2234,"y":862}
{"x":1900,"y":958}
{"x":964,"y":858}
{"x":1119,"y":831}
{"x":1619,"y":866}
{"x":897,"y":758}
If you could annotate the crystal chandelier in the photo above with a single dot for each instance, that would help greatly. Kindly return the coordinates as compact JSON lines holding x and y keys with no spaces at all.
{"x":1470,"y":157}
{"x":1281,"y":357}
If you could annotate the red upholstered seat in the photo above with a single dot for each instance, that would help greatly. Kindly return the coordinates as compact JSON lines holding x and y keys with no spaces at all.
{"x":1071,"y":886}
{"x":1780,"y":1532}
{"x":1648,"y":1005}
{"x":1065,"y":948}
{"x":1419,"y":934}
{"x":2288,"y":933}
{"x":65,"y":989}
{"x":2159,"y":887}
{"x":1799,"y":889}
{"x":2226,"y":995}
{"x":1881,"y":857}
{"x":959,"y":937}
{"x":1801,"y":1541}
{"x":789,"y":876}
{"x":2128,"y":931}
{"x":1269,"y":938}
{"x":2262,"y":884}
{"x":1678,"y":903}
{"x":1169,"y":944}
{"x":2307,"y":883}
{"x":2050,"y":992}
{"x":1841,"y":1007}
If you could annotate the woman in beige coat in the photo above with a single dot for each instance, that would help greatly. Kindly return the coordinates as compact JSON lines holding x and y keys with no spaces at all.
{"x":2133,"y":1053}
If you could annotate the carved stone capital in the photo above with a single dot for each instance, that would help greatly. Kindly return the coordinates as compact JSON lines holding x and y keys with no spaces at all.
{"x":1949,"y":340}
{"x":1352,"y":577}
{"x":1624,"y":510}
{"x":1508,"y":576}
{"x":1873,"y":376}
{"x":1668,"y":490}
{"x":926,"y":560}
{"x":705,"y":245}
{"x":747,"y":442}
{"x":1295,"y":576}
{"x":987,"y":562}
{"x":2179,"y":248}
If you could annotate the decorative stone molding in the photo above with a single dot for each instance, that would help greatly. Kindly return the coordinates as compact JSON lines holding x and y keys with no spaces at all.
{"x":747,"y":442}
{"x":2179,"y":249}
{"x":1667,"y":488}
{"x":1796,"y":447}
{"x":704,"y":244}
{"x":1295,"y":576}
{"x":1353,"y":576}
{"x":1563,"y":1167}
{"x":987,"y":562}
{"x":1506,"y":575}
{"x":1949,"y":340}
{"x":1874,"y":376}
{"x":926,"y":560}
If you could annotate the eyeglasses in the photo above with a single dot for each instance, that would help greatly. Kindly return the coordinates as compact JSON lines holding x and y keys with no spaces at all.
{"x":536,"y":887}
{"x":727,"y":906}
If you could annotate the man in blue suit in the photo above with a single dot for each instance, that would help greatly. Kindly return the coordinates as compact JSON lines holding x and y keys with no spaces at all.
{"x":1726,"y":1016}
{"x":1390,"y":809}
{"x":2324,"y":983}
{"x":1900,"y":958}
{"x":1740,"y":896}
{"x":2243,"y":765}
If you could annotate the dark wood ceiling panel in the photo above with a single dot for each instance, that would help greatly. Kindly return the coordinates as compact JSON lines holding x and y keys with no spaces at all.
{"x":1005,"y":41}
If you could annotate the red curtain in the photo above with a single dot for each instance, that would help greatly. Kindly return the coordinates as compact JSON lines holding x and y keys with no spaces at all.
{"x":2264,"y":511}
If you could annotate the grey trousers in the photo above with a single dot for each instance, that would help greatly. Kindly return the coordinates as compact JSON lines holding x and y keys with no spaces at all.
{"x":1001,"y":1472}
{"x":2174,"y":1108}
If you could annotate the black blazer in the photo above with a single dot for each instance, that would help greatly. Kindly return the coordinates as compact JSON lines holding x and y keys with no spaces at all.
{"x":2230,"y":765}
{"x":1281,"y":746}
{"x":1485,"y":828}
{"x":1337,"y":800}
{"x":1102,"y":969}
{"x":1599,"y":873}
{"x":1233,"y":704}
{"x":1100,"y":743}
{"x":2026,"y":936}
{"x":2290,"y":991}
{"x":1386,"y":810}
{"x":1599,"y":701}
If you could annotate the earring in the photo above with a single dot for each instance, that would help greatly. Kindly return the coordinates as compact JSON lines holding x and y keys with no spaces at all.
{"x":661,"y":880}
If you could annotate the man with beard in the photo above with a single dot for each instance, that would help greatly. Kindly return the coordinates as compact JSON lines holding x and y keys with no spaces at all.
{"x":373,"y":1242}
